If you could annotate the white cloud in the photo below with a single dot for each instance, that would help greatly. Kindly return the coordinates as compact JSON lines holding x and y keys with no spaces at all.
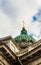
{"x":4,"y":23}
{"x":35,"y":29}
{"x":13,"y":12}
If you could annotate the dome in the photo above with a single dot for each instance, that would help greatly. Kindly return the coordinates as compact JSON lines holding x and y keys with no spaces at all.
{"x":23,"y":39}
{"x":24,"y":36}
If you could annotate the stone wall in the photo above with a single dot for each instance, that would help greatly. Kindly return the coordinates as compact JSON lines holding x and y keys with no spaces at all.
{"x":3,"y":61}
{"x":35,"y":62}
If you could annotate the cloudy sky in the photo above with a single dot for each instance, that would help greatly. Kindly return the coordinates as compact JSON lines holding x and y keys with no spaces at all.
{"x":13,"y":12}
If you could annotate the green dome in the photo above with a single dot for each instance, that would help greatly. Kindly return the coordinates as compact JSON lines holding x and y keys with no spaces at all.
{"x":24,"y":39}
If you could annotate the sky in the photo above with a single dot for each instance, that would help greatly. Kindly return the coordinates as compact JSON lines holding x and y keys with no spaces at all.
{"x":12,"y":14}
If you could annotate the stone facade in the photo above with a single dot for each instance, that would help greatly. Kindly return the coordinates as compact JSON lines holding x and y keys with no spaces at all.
{"x":29,"y":56}
{"x":35,"y":62}
{"x":3,"y":61}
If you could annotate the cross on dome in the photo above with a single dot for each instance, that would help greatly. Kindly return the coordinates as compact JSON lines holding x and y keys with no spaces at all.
{"x":23,"y":28}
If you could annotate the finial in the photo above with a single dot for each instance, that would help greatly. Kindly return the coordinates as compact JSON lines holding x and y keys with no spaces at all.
{"x":23,"y":23}
{"x":23,"y":28}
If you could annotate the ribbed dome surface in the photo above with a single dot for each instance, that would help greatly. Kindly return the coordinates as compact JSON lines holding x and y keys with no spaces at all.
{"x":24,"y":36}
